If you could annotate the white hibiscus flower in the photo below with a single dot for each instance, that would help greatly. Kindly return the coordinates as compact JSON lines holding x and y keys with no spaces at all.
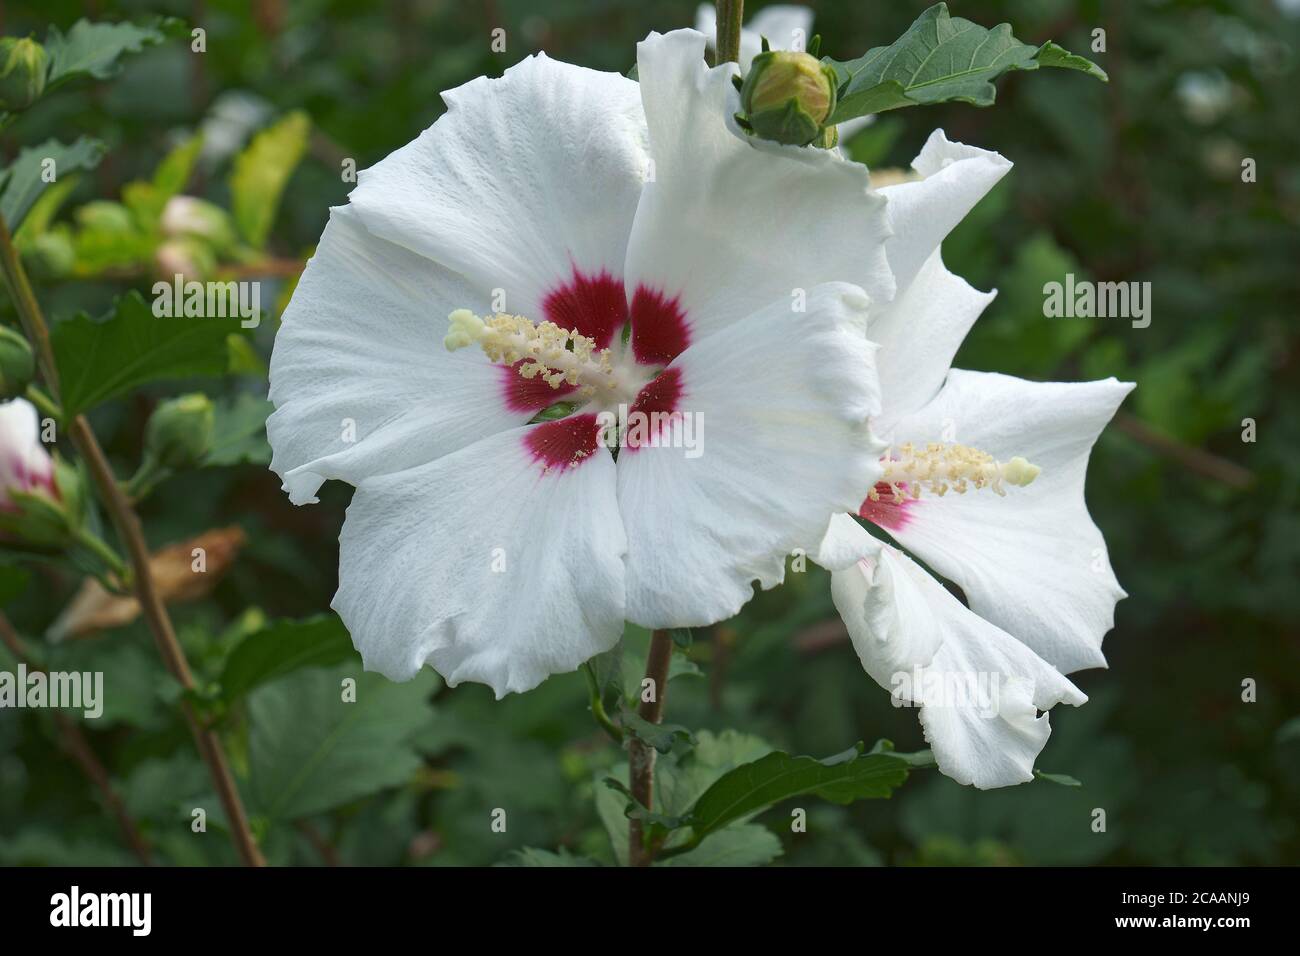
{"x":983,"y":482}
{"x":500,"y":551}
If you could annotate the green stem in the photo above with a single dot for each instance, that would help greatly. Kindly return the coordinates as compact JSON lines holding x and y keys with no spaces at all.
{"x":46,"y":405}
{"x":598,"y":706}
{"x":147,"y":477}
{"x":100,"y":549}
{"x":29,"y":312}
{"x":727,"y":44}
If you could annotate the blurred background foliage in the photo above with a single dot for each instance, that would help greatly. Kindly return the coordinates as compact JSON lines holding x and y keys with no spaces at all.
{"x":1136,"y":180}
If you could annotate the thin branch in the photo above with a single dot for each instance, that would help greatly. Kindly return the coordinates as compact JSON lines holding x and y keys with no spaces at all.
{"x":76,"y":744}
{"x":328,"y":854}
{"x":1194,"y":459}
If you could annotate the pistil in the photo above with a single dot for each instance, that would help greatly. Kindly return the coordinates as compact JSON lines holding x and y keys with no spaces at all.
{"x":939,"y":468}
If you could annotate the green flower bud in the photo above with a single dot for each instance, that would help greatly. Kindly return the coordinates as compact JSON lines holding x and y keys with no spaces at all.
{"x":51,"y":255}
{"x":104,"y":215}
{"x":179,"y":432}
{"x":787,"y":96}
{"x":17,"y":364}
{"x":22,"y":72}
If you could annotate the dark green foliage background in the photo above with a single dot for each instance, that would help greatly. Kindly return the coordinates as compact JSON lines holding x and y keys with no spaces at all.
{"x":1112,"y":182}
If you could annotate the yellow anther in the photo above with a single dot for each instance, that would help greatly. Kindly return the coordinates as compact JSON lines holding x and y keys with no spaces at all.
{"x":559,"y":356}
{"x":940,"y":468}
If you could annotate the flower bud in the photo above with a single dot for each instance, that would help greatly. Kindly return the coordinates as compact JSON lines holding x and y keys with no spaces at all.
{"x":191,"y":258}
{"x":787,"y":96}
{"x":23,"y":65}
{"x":179,"y":432}
{"x":51,"y":255}
{"x":188,"y":216}
{"x":17,"y":364}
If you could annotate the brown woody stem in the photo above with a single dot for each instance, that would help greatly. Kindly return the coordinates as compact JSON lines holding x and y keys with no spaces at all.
{"x":641,"y":756}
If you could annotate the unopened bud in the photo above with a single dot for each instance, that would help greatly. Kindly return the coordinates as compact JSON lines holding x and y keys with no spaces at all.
{"x":23,"y":64}
{"x":787,"y":96}
{"x":179,"y":432}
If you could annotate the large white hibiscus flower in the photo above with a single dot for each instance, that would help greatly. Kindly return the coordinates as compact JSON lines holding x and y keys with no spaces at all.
{"x":983,"y":482}
{"x":500,"y":551}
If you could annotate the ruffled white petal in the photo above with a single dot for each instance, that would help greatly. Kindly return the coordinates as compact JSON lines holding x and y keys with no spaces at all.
{"x":979,"y":689}
{"x":784,"y":398}
{"x":729,"y":224}
{"x":485,"y":566}
{"x":893,"y":621}
{"x":523,"y":180}
{"x":360,"y":379}
{"x":922,"y":213}
{"x":919,"y":333}
{"x":1032,"y":562}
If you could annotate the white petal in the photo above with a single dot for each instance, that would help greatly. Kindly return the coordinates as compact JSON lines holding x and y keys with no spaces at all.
{"x":24,"y":462}
{"x":892,"y":621}
{"x":784,"y":400}
{"x":729,"y":224}
{"x":919,"y":333}
{"x":1032,"y":562}
{"x":361,"y":381}
{"x":978,"y":687}
{"x":523,"y":182}
{"x":845,"y":544}
{"x":922,"y":213}
{"x":486,"y":564}
{"x":786,"y":26}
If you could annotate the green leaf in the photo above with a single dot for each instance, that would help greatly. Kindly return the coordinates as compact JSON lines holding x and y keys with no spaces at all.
{"x":941,"y":59}
{"x":147,"y":199}
{"x":310,"y":750}
{"x":172,"y":174}
{"x":1051,"y":54}
{"x":94,"y":49}
{"x":261,"y":172}
{"x":746,"y":845}
{"x":13,"y":583}
{"x":102,"y":358}
{"x":661,"y":823}
{"x":239,"y":432}
{"x":22,"y":183}
{"x":1060,"y":779}
{"x":40,"y":215}
{"x":282,"y":648}
{"x":659,"y":736}
{"x":842,"y":778}
{"x":607,"y":670}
